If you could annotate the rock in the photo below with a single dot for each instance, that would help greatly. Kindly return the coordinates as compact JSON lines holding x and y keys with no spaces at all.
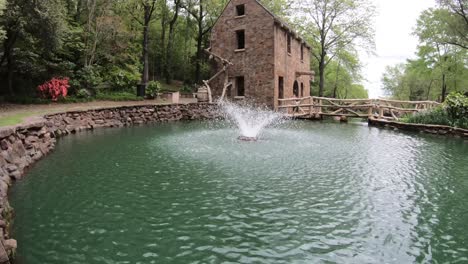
{"x":5,"y":132}
{"x":10,"y":244}
{"x":3,"y":188}
{"x":16,"y":175}
{"x":11,"y":168}
{"x":4,"y":144}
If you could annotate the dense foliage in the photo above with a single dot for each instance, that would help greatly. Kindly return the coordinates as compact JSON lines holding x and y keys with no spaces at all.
{"x":99,"y":44}
{"x":454,"y":112}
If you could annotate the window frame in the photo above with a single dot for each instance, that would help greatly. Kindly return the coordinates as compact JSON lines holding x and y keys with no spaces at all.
{"x":238,"y":34}
{"x":240,"y":7}
{"x":240,"y":79}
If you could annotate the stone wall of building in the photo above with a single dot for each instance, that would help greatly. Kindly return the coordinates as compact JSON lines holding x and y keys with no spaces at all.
{"x":256,"y":61}
{"x":22,"y":145}
{"x":287,"y":64}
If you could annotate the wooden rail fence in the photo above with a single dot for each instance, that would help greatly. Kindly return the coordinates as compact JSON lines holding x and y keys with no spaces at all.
{"x":312,"y":106}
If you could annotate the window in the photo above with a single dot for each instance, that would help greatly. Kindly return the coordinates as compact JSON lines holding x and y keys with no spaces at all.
{"x":302,"y":52}
{"x":240,"y":86}
{"x":240,"y":39}
{"x":296,"y":89}
{"x":302,"y":89}
{"x":240,"y":10}
{"x":280,"y":88}
{"x":289,"y":43}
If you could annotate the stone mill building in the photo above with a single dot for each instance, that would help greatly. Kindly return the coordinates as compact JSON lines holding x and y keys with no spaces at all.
{"x":270,"y":61}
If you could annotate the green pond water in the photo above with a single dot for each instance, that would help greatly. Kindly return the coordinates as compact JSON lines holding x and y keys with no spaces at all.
{"x":191,"y":193}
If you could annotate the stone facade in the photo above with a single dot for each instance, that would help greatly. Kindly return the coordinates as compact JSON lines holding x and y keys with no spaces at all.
{"x":22,"y":145}
{"x":264,"y":59}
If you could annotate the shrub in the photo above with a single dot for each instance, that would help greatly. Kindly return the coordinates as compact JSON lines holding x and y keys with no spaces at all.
{"x":54,"y":89}
{"x":457,"y":105}
{"x":121,"y":79}
{"x":83,"y":93}
{"x":454,"y":112}
{"x":88,"y":77}
{"x":187,"y":88}
{"x":436,"y":116}
{"x":153,"y":88}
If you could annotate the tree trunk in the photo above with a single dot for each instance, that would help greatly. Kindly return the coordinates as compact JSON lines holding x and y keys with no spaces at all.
{"x":199,"y":44}
{"x":429,"y":89}
{"x":10,"y":74}
{"x":335,"y":88}
{"x":444,"y":88}
{"x":145,"y":75}
{"x":163,"y":39}
{"x":170,"y":41}
{"x":321,"y":73}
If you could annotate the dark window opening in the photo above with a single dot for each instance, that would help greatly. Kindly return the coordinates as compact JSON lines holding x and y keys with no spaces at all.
{"x":296,"y":89}
{"x":240,"y":39}
{"x":289,"y":43}
{"x":302,"y":89}
{"x":280,"y":88}
{"x":240,"y":86}
{"x":302,"y":52}
{"x":240,"y":10}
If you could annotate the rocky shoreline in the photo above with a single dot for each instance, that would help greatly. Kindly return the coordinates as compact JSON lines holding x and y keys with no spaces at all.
{"x":22,"y":145}
{"x":423,"y":128}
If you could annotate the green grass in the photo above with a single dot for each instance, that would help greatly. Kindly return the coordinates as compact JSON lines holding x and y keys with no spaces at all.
{"x":120,"y":96}
{"x":173,"y":87}
{"x":14,"y":119}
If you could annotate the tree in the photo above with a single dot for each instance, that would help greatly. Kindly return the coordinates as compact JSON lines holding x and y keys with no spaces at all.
{"x":170,"y":43}
{"x":34,"y":32}
{"x":433,"y":45}
{"x":2,"y":31}
{"x":335,"y":25}
{"x":449,"y":23}
{"x":205,"y":12}
{"x":458,"y":7}
{"x":146,"y":7}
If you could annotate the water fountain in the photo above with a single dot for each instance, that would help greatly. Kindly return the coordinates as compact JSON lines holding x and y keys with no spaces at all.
{"x":250,"y":120}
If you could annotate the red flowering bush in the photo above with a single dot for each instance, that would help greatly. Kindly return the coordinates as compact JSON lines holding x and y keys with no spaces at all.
{"x":54,"y":88}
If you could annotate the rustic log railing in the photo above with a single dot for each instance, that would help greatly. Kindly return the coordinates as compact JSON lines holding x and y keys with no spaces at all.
{"x":313,"y":106}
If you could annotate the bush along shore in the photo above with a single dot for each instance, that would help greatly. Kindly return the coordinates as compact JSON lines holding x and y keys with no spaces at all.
{"x":453,"y":112}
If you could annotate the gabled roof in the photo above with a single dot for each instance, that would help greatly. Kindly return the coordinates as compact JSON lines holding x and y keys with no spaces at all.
{"x":283,"y":24}
{"x":277,"y":20}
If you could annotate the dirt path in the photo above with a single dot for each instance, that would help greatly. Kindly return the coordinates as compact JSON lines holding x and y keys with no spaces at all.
{"x":11,"y":114}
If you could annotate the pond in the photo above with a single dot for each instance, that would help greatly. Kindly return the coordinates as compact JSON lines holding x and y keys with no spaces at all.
{"x":305,"y":192}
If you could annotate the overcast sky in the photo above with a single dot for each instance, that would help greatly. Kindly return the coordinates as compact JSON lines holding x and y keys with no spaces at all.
{"x":395,"y":21}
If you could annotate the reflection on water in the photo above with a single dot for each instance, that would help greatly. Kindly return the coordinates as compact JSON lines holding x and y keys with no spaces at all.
{"x":192,"y":193}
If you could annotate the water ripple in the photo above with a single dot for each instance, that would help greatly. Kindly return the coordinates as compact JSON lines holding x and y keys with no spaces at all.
{"x":304,"y":193}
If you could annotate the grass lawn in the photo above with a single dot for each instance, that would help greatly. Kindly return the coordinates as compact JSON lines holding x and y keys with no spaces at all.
{"x":175,"y":86}
{"x":15,"y":118}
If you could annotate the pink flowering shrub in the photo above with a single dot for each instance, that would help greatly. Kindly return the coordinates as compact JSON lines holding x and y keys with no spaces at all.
{"x":54,"y":89}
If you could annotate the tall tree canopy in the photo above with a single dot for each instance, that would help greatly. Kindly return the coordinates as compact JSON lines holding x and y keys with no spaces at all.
{"x":440,"y":66}
{"x":107,"y":45}
{"x":334,"y":26}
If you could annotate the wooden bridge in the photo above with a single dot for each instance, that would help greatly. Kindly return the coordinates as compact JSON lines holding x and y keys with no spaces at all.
{"x":317,"y":107}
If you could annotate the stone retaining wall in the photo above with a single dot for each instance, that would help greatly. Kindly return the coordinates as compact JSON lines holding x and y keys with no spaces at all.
{"x":430,"y":129}
{"x":22,"y":145}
